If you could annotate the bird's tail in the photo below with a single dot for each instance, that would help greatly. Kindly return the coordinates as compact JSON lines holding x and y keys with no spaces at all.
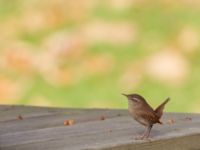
{"x":160,"y":108}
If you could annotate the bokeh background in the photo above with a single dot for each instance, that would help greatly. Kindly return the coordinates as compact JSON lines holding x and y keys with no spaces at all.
{"x":85,"y":53}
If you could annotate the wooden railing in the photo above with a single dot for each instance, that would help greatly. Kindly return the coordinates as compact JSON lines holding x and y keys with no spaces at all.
{"x":40,"y":128}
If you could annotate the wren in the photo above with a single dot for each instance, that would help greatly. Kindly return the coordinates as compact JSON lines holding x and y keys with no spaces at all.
{"x":143,"y":113}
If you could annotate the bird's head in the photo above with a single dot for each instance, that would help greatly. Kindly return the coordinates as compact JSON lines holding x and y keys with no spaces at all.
{"x":135,"y":98}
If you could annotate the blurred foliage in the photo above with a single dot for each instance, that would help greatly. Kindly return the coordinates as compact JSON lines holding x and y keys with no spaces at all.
{"x":86,"y":53}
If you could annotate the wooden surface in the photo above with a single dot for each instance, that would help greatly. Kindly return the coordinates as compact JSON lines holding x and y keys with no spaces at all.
{"x":38,"y":128}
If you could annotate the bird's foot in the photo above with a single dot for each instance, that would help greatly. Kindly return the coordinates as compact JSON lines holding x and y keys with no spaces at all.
{"x":139,"y":137}
{"x":143,"y":138}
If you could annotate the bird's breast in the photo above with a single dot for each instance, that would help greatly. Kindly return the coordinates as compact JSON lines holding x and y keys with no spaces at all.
{"x":134,"y":113}
{"x":142,"y":121}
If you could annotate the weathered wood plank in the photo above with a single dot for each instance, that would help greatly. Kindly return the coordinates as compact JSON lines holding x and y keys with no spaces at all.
{"x":10,"y":113}
{"x":48,"y":121}
{"x":115,"y":132}
{"x":70,"y":135}
{"x":181,"y":143}
{"x":53,"y":119}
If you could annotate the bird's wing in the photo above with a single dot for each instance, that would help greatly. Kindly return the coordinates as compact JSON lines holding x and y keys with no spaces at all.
{"x":149,"y":115}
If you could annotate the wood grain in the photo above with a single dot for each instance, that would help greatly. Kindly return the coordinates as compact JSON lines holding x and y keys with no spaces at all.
{"x":43,"y":128}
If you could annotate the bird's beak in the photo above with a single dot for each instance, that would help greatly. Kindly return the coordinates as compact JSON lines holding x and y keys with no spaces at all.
{"x":125,"y":94}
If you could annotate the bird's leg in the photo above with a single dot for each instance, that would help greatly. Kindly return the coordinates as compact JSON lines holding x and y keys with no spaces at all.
{"x":147,"y":132}
{"x":140,"y":137}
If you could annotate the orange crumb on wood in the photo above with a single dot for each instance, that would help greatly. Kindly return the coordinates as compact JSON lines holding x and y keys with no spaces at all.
{"x":102,"y":118}
{"x":170,"y":121}
{"x":68,"y":122}
{"x":20,"y":117}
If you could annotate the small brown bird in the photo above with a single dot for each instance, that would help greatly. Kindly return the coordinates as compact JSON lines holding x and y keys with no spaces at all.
{"x":143,"y":113}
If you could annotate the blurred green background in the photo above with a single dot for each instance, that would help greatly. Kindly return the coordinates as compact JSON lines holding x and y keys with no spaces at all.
{"x":74,"y":53}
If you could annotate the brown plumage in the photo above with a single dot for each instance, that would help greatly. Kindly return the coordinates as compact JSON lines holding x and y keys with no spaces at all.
{"x":143,"y":113}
